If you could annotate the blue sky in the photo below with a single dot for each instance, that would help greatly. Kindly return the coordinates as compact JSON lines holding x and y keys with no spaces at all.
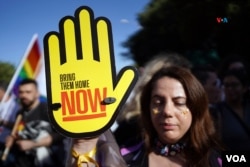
{"x":20,"y":20}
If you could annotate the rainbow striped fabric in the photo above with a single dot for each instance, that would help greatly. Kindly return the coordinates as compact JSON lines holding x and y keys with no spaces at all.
{"x":31,"y":66}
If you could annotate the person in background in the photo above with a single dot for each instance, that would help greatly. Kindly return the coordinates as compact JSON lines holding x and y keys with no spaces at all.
{"x":36,"y":144}
{"x":234,"y":111}
{"x":177,"y":126}
{"x":234,"y":61}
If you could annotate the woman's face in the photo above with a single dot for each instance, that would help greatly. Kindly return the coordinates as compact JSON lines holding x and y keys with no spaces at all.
{"x":169,"y":113}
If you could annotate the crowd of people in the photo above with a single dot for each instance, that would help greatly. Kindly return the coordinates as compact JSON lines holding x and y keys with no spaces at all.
{"x":178,"y":115}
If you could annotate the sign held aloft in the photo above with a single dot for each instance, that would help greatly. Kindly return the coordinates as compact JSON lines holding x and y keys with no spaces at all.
{"x":84,"y":92}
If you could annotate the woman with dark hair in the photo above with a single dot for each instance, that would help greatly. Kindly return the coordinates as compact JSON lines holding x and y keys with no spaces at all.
{"x":178,"y":129}
{"x":176,"y":119}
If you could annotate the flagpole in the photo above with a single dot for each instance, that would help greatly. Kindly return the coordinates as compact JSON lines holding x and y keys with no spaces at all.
{"x":12,"y":82}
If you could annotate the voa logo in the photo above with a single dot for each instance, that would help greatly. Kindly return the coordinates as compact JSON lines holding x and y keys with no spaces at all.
{"x":236,"y":158}
{"x":222,"y":19}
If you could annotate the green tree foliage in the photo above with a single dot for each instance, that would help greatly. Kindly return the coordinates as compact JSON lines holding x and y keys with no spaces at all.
{"x":7,"y":70}
{"x":192,"y":29}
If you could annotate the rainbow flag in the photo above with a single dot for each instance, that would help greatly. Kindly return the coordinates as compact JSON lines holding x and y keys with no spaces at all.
{"x":29,"y":66}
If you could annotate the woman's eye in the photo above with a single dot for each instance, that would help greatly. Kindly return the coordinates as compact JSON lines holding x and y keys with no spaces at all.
{"x":180,"y":104}
{"x":156,"y":102}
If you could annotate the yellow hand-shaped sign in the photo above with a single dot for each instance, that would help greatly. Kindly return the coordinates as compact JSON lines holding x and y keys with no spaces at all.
{"x":84,"y":93}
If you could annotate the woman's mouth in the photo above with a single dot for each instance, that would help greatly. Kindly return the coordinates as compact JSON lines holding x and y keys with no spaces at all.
{"x":168,"y":126}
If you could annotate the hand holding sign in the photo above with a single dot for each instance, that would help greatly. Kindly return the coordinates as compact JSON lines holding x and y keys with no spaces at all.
{"x":84,"y":93}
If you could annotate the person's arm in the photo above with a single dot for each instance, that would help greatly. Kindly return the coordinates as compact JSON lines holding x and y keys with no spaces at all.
{"x":107,"y":151}
{"x":30,"y":144}
{"x":86,"y":148}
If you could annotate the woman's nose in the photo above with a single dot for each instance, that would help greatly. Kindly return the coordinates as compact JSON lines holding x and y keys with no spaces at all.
{"x":168,"y":109}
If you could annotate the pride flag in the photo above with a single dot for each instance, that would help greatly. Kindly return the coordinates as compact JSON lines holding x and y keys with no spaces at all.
{"x":31,"y":64}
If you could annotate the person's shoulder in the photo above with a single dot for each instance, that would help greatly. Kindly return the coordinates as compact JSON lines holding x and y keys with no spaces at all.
{"x":135,"y":155}
{"x":43,"y":105}
{"x":42,"y":108}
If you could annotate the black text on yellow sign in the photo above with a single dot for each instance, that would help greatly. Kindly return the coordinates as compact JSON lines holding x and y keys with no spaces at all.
{"x":84,"y":91}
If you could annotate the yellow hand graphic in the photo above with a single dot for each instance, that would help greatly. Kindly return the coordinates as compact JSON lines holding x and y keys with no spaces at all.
{"x":84,"y":93}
